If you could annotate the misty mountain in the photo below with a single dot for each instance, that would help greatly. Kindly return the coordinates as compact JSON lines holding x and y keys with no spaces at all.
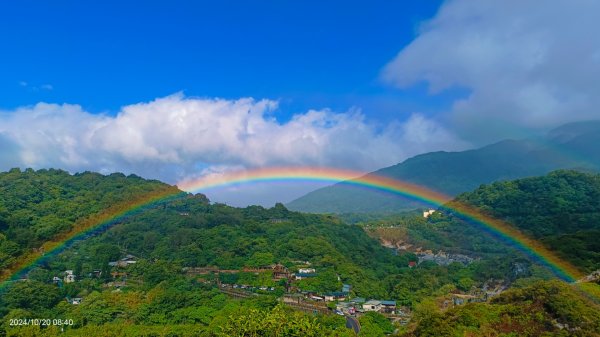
{"x":571,"y":146}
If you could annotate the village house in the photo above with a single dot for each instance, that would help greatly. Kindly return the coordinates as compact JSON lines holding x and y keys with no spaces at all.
{"x":335,"y":296}
{"x":372,"y":305}
{"x":69,"y":276}
{"x":427,"y":213}
{"x":358,"y":300}
{"x":56,"y":279}
{"x":303,"y":263}
{"x":388,"y":307}
{"x":302,"y":276}
{"x":124,"y":262}
{"x":74,"y":300}
{"x":306,"y":270}
{"x":280,"y":272}
{"x":317,"y":298}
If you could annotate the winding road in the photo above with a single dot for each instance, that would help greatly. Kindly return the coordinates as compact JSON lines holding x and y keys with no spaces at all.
{"x":352,"y":323}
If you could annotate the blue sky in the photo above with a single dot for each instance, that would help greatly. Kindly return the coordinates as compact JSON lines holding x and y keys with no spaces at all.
{"x":177,"y":90}
{"x":309,"y":54}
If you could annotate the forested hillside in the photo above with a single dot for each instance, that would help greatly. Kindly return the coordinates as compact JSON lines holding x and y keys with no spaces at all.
{"x":168,"y":240}
{"x":562,"y":209}
{"x":179,"y":267}
{"x":541,"y":309}
{"x":36,"y":206}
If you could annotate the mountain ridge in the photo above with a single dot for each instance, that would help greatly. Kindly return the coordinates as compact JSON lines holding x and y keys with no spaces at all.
{"x":570,"y":146}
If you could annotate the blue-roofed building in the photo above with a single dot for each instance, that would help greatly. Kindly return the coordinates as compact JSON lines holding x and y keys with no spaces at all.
{"x":301,"y":276}
{"x":335,"y":296}
{"x":346,"y":288}
{"x":388,"y":306}
{"x":358,"y":300}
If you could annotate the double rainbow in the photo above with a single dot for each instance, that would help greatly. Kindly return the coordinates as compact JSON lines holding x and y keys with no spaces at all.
{"x":113,"y":215}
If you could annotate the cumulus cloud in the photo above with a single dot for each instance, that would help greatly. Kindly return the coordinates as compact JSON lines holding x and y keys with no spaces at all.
{"x":528,"y":65}
{"x":178,"y":137}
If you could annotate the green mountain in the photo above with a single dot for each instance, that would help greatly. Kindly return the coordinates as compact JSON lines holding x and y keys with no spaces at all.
{"x":572,"y":146}
{"x":167,"y":240}
{"x":561,"y":209}
{"x":178,"y":244}
{"x":37,"y":206}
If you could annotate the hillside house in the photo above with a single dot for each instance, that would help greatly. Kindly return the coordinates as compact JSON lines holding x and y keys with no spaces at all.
{"x":372,"y":305}
{"x":358,"y":301}
{"x":74,"y":300}
{"x":124,"y":262}
{"x":69,"y":276}
{"x":306,"y":270}
{"x":335,"y":296}
{"x":56,"y":279}
{"x":302,"y":276}
{"x":388,"y":307}
{"x":280,"y":272}
{"x":427,"y":213}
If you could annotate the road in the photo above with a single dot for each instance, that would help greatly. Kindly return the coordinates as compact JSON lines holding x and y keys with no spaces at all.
{"x":352,"y":323}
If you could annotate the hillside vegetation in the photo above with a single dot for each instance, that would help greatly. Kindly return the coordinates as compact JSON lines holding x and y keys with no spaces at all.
{"x":36,"y":206}
{"x":562,"y":209}
{"x":157,"y":295}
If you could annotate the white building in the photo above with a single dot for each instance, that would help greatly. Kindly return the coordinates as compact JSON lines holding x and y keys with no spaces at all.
{"x":372,"y":305}
{"x":69,"y":276}
{"x":306,"y":270}
{"x":427,"y":213}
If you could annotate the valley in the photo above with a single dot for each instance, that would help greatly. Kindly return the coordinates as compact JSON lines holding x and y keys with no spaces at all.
{"x":184,"y":266}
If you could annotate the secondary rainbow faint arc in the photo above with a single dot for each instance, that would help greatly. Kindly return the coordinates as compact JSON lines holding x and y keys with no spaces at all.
{"x":496,"y":227}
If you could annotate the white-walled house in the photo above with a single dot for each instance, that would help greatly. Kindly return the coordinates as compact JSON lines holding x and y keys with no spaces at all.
{"x":69,"y":276}
{"x":372,"y":305}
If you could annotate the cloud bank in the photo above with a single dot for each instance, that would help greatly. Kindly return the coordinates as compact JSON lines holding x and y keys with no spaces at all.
{"x":528,"y":65}
{"x":179,"y":137}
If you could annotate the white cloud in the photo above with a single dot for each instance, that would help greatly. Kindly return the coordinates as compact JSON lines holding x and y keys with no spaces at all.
{"x":178,"y":137}
{"x":529,"y":65}
{"x":47,"y":87}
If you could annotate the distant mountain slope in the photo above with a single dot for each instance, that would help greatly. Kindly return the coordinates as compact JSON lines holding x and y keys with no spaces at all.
{"x":561,"y":209}
{"x":572,"y":146}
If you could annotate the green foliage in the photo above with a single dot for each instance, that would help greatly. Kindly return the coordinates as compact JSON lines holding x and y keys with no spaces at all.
{"x":31,"y":295}
{"x":276,"y":322}
{"x":36,"y":206}
{"x":544,"y":308}
{"x":375,"y":324}
{"x":159,"y":299}
{"x":561,"y":209}
{"x":187,"y":232}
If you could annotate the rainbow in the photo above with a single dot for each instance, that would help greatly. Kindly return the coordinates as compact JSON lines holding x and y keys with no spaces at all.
{"x":103,"y":221}
{"x":497,"y":228}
